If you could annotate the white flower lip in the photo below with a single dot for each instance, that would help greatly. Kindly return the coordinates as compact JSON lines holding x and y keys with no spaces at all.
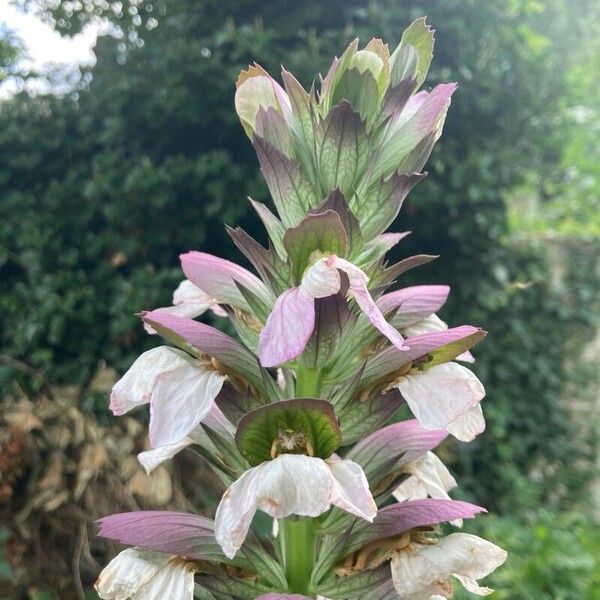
{"x":446,"y":396}
{"x":291,"y":484}
{"x":423,"y":571}
{"x":139,"y":574}
{"x":181,"y":394}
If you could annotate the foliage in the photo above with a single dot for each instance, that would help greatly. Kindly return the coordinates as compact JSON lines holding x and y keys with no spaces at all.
{"x":146,"y":159}
{"x":551,"y":556}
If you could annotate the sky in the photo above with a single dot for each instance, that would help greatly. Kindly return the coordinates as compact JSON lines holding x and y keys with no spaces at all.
{"x":44,"y":48}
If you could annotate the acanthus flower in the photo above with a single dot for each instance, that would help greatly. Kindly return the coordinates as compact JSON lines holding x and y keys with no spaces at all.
{"x":291,"y":484}
{"x":314,"y":443}
{"x":292,"y":321}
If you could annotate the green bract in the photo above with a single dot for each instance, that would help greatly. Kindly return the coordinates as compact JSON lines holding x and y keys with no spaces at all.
{"x":299,"y":426}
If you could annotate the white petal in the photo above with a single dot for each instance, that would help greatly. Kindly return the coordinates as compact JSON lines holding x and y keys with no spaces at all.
{"x":288,"y":327}
{"x":150,"y":459}
{"x":468,"y":426}
{"x":180,"y":399}
{"x":175,"y":580}
{"x":189,"y":301}
{"x":135,"y":387}
{"x":290,"y":484}
{"x":429,"y":475}
{"x":429,"y":324}
{"x":441,"y":394}
{"x":423,"y":570}
{"x":350,"y":489}
{"x":322,"y":279}
{"x":128,"y":572}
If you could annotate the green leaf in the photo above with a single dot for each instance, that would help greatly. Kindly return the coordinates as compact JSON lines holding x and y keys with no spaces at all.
{"x":360,"y":90}
{"x":331,"y":314}
{"x":335,"y":201}
{"x":422,"y":38}
{"x":358,"y":586}
{"x":273,"y":225}
{"x":309,"y":424}
{"x":316,"y":235}
{"x":343,"y":149}
{"x":292,"y":192}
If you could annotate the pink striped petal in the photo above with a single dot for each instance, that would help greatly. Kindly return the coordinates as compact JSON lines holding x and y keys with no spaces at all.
{"x":288,"y":328}
{"x":217,"y":277}
{"x":414,"y":303}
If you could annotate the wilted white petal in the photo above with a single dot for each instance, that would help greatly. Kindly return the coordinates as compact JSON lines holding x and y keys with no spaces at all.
{"x":350,"y":489}
{"x":175,"y":580}
{"x":468,"y":426}
{"x":441,"y":394}
{"x":189,"y":301}
{"x":322,"y":279}
{"x":423,"y":571}
{"x":290,"y":484}
{"x":145,"y":575}
{"x":430,"y":477}
{"x":150,"y":459}
{"x":180,"y":399}
{"x":135,"y":387}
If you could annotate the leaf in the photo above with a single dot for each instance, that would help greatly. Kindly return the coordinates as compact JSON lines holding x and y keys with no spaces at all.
{"x":392,"y":447}
{"x":273,"y":225}
{"x":178,"y":533}
{"x":405,"y":64}
{"x":314,"y":421}
{"x":403,"y":516}
{"x":360,"y":91}
{"x":390,"y":274}
{"x":355,"y":587}
{"x":422,"y":38}
{"x":335,"y":201}
{"x":403,"y":135}
{"x":380,"y":204}
{"x":331,"y":314}
{"x":425,"y":351}
{"x":291,"y":191}
{"x":396,"y":97}
{"x":360,"y":418}
{"x":342,"y":152}
{"x":316,"y":235}
{"x":223,"y":588}
{"x":270,"y":267}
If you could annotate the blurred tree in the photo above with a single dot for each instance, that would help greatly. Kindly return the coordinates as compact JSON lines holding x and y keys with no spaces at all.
{"x":146,"y":159}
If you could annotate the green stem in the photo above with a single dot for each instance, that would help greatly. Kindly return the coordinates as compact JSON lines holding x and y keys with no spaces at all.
{"x":308,"y":382}
{"x":299,"y":548}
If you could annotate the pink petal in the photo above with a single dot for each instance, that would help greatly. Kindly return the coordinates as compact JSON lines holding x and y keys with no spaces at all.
{"x":414,"y":303}
{"x":217,"y":277}
{"x":288,"y":328}
{"x":359,"y":291}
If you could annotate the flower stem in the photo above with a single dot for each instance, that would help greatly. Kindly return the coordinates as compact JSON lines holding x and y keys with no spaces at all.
{"x":308,"y":382}
{"x":298,"y":541}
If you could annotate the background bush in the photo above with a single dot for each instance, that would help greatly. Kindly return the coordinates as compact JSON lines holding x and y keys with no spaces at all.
{"x":103,"y":187}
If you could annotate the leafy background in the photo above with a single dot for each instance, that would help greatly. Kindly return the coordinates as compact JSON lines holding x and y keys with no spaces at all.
{"x":103,"y":186}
